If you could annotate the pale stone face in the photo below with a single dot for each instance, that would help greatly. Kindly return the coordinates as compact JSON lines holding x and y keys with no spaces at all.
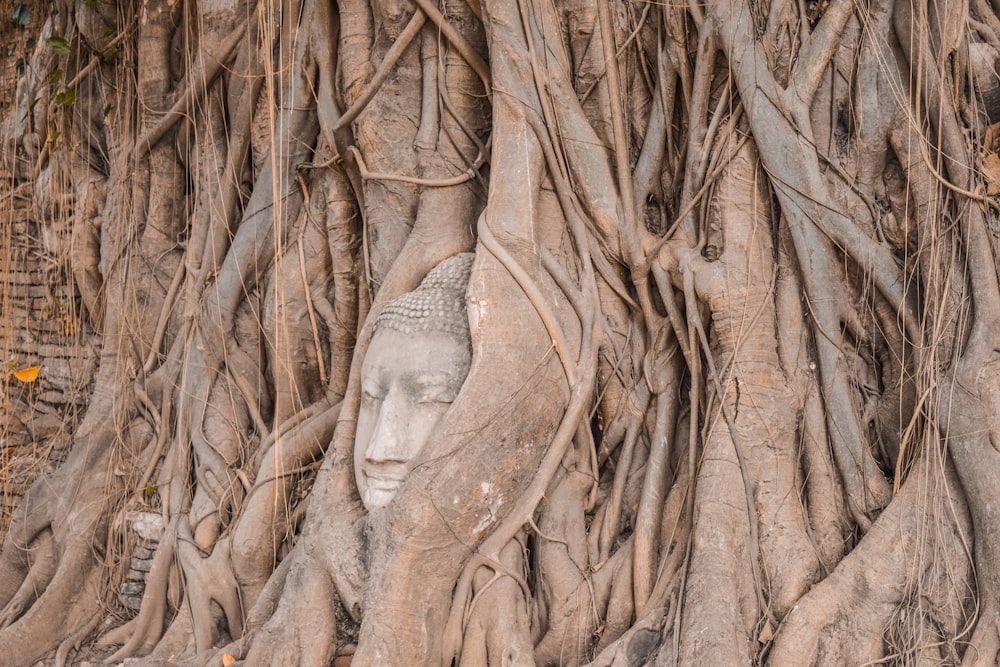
{"x":408,"y":381}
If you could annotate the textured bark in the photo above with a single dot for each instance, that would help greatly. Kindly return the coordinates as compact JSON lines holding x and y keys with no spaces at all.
{"x":733,"y":316}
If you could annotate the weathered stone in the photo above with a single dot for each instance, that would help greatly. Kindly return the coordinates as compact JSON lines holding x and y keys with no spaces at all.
{"x":148,"y":526}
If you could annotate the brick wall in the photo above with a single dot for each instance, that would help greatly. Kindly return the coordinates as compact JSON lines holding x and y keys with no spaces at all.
{"x":40,"y":326}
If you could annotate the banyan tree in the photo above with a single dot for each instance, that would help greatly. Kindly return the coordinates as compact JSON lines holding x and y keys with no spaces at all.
{"x":475,"y":332}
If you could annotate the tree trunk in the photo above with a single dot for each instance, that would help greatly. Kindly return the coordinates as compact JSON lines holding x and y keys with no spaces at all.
{"x":733,"y":321}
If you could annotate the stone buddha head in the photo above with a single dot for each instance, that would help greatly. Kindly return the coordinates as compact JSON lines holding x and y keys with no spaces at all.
{"x":415,"y":366}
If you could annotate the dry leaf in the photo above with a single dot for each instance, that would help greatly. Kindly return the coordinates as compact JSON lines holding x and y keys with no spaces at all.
{"x":766,"y":633}
{"x":27,"y":375}
{"x":992,"y":137}
{"x":228,"y":660}
{"x":991,"y":169}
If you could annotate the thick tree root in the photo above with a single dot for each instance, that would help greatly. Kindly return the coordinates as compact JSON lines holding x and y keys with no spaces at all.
{"x":303,"y":628}
{"x":915,"y":557}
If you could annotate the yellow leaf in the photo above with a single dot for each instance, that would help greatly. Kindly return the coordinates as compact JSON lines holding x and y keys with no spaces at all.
{"x":228,"y":660}
{"x":27,"y":375}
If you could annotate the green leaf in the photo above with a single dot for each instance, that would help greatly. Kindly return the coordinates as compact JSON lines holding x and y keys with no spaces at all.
{"x":21,"y":15}
{"x":150,"y":490}
{"x":59,"y":45}
{"x":66,"y":98}
{"x":56,"y":77}
{"x":91,"y":3}
{"x":20,"y":67}
{"x":111,"y":54}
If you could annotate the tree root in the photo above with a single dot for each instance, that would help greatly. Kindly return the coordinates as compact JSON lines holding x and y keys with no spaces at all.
{"x":843,"y":618}
{"x":71,"y":601}
{"x":141,"y":634}
{"x":966,"y":403}
{"x":497,"y":631}
{"x":42,"y":564}
{"x":207,"y":581}
{"x":303,"y":629}
{"x":564,"y":574}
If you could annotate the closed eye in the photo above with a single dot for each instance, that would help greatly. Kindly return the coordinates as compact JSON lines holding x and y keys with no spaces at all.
{"x":435,"y":397}
{"x":371,"y":393}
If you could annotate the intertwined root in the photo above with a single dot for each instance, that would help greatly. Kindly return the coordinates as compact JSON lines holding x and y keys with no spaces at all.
{"x":899,"y":582}
{"x":734,"y":311}
{"x":49,"y":565}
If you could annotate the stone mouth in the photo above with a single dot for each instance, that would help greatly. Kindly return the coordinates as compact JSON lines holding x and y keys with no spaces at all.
{"x":381,"y":478}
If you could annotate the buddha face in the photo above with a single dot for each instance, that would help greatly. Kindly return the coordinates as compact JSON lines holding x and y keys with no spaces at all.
{"x":408,"y":381}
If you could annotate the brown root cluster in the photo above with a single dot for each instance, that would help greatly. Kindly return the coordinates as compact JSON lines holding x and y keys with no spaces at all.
{"x":733,"y":313}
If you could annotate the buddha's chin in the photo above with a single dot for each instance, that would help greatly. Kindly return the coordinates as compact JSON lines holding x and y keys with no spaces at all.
{"x":380,"y":493}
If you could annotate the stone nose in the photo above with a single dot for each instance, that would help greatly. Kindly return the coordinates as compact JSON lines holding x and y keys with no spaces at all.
{"x":388,"y":443}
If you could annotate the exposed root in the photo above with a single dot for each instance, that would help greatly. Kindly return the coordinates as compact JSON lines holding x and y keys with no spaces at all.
{"x":917,"y":544}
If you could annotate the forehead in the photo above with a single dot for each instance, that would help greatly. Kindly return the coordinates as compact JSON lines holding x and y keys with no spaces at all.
{"x":395,"y":353}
